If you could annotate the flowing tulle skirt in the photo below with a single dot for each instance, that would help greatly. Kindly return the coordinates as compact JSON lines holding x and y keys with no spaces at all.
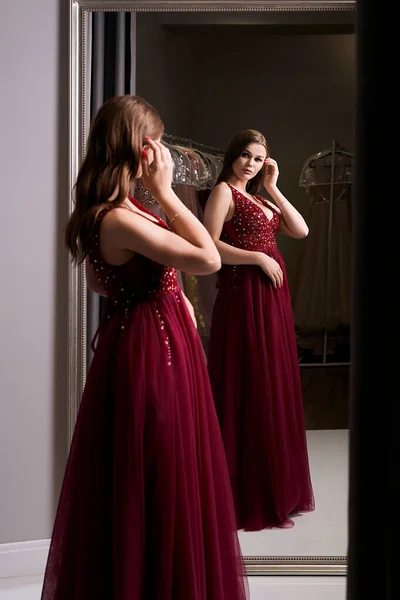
{"x":255,"y":377}
{"x":146,"y":509}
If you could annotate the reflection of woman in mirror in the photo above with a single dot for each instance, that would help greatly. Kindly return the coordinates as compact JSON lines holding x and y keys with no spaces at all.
{"x":146,"y":507}
{"x":252,"y":359}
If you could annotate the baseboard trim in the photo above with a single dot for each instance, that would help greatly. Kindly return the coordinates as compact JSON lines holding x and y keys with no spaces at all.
{"x":22,"y":559}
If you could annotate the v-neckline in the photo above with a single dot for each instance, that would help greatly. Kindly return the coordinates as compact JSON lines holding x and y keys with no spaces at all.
{"x":255,"y":204}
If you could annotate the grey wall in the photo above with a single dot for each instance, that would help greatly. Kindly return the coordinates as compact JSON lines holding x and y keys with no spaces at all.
{"x":33,"y":299}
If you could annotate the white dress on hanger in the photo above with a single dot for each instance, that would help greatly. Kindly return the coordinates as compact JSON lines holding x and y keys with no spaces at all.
{"x":321,"y":290}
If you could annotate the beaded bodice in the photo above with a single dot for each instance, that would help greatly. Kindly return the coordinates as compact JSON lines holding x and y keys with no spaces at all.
{"x":250,"y":228}
{"x":135,"y":281}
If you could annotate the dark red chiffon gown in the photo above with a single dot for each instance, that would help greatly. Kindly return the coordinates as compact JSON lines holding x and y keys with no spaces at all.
{"x":146,"y":510}
{"x":255,"y":377}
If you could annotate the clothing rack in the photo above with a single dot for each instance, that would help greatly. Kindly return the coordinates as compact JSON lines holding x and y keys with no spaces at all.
{"x":195,"y":164}
{"x":335,"y":149}
{"x":188,"y":143}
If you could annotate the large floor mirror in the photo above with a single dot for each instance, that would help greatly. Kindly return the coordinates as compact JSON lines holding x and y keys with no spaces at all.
{"x":212,"y":69}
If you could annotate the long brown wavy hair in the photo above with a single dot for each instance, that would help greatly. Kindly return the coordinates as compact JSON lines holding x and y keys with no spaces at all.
{"x":238,"y":144}
{"x":112,"y":161}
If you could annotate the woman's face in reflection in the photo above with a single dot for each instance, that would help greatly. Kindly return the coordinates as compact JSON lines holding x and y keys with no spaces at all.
{"x":250,"y":161}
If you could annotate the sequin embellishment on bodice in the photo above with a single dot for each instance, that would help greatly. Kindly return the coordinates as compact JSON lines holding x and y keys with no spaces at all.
{"x":138,"y":280}
{"x":250,"y":228}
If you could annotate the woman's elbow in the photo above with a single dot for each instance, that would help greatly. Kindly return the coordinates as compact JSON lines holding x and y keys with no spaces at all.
{"x":209,"y":263}
{"x":215,"y":261}
{"x":304,"y":232}
{"x":214,"y":264}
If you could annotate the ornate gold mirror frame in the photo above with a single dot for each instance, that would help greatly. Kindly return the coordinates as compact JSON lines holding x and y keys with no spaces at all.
{"x":78,"y":129}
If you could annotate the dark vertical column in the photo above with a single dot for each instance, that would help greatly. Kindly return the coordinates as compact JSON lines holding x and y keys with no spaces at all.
{"x":110,"y":75}
{"x":97,"y":96}
{"x":375,"y":389}
{"x":131,"y":53}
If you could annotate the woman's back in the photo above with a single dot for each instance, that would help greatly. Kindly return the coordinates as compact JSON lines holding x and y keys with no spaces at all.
{"x":146,"y":508}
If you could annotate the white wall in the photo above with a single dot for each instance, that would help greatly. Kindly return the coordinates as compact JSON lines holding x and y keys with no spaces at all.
{"x":33,"y":298}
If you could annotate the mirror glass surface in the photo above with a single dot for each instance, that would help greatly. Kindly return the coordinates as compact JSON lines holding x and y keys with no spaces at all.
{"x":290,"y":75}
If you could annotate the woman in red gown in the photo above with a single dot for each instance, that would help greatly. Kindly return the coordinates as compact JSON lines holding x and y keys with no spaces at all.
{"x":252,"y":358}
{"x":146,"y":510}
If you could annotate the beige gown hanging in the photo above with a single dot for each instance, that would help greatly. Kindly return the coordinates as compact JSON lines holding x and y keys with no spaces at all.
{"x":314,"y":311}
